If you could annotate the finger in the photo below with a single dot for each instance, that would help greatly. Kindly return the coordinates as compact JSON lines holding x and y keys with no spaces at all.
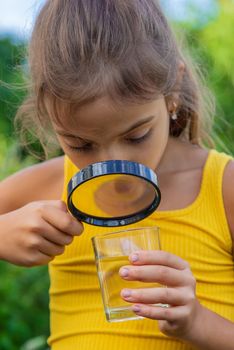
{"x":36,"y":259}
{"x":37,"y":243}
{"x":62,"y":220}
{"x":170,"y":314}
{"x":54,"y":203}
{"x":58,"y":203}
{"x":156,"y":295}
{"x":54,"y":235}
{"x":158,"y":257}
{"x":50,"y":249}
{"x":160,"y":274}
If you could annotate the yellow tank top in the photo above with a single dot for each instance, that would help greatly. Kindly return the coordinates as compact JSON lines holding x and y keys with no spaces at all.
{"x":198,"y":233}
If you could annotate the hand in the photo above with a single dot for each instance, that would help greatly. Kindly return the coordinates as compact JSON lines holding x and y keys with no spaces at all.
{"x":169,"y":270}
{"x":36,"y":233}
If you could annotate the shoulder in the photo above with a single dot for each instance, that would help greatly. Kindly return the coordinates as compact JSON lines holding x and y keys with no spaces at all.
{"x":38,"y":182}
{"x":228,"y":194}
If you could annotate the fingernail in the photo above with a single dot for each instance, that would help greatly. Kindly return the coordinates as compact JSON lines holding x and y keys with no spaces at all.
{"x":136,"y":308}
{"x":134,"y":257}
{"x":123,"y":272}
{"x":126,"y":293}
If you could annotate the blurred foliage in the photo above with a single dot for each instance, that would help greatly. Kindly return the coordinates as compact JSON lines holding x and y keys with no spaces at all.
{"x":24,"y":318}
{"x":10,"y":58}
{"x":24,"y":315}
{"x":24,"y":307}
{"x":217,"y":39}
{"x":211,"y":45}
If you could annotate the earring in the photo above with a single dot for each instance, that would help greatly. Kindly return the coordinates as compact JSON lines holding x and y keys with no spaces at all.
{"x":174,"y":116}
{"x":173,"y":113}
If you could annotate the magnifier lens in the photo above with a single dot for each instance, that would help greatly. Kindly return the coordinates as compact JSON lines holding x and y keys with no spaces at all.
{"x":113,"y":193}
{"x":114,"y":196}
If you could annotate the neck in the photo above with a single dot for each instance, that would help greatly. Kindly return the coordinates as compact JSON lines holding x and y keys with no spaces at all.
{"x":177,"y":156}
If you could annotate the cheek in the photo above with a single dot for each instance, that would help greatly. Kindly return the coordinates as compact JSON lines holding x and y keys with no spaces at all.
{"x":157,"y":146}
{"x":81,"y":160}
{"x":164,"y":127}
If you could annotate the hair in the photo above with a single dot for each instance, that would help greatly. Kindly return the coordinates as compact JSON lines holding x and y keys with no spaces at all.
{"x":83,"y":50}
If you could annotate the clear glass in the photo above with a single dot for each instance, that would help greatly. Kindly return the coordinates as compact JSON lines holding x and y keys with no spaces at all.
{"x":112,"y":251}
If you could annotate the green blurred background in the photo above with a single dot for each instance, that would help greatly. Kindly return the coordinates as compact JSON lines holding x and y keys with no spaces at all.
{"x":208,"y":29}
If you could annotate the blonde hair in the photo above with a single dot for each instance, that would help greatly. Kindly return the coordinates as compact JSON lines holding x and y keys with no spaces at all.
{"x":82,"y":50}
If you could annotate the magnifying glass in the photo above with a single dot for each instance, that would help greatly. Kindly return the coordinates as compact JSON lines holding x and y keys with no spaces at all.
{"x":113,"y":193}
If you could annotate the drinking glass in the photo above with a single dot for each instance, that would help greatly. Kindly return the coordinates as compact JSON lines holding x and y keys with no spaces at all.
{"x":112,"y":251}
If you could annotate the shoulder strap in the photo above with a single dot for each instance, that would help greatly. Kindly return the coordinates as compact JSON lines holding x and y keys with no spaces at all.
{"x":212,"y":191}
{"x":69,"y":170}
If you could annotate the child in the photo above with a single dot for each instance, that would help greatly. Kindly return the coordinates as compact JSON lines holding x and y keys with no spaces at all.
{"x":109,"y":81}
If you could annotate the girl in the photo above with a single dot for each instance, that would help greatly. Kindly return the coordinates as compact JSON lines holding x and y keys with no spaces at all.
{"x":109,"y":80}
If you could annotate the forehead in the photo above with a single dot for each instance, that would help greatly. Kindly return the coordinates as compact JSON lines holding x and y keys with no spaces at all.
{"x":105,"y":111}
{"x":103,"y":116}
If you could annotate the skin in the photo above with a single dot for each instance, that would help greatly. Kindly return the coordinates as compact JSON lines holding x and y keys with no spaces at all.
{"x":33,"y":233}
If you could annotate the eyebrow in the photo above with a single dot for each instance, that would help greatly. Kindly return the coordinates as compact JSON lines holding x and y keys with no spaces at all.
{"x":136,"y":125}
{"x":139,"y":123}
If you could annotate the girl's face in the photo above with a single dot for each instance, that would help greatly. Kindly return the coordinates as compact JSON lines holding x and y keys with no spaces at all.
{"x":101,"y":131}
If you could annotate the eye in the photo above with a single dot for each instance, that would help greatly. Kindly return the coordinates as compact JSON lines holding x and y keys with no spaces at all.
{"x":139,"y":139}
{"x":85,"y":148}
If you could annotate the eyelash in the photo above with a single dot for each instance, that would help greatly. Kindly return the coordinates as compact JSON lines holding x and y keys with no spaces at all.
{"x":88,"y":147}
{"x":85,"y":148}
{"x":140,"y":139}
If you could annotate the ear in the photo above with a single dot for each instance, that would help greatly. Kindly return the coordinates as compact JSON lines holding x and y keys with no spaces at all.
{"x":174,"y":98}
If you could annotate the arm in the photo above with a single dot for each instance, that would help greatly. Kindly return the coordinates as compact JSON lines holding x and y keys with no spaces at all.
{"x":187,"y":320}
{"x":42,"y":181}
{"x":35,"y":225}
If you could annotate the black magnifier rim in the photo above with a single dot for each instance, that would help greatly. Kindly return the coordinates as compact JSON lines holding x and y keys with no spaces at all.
{"x":112,"y":167}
